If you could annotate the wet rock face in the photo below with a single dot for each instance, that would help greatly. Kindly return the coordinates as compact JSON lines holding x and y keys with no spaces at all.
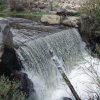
{"x":1,"y":39}
{"x":5,"y":35}
{"x":9,"y":62}
{"x":8,"y":58}
{"x":26,"y":85}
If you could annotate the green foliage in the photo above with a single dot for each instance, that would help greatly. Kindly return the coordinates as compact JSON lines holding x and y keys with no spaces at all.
{"x":2,"y":7}
{"x":9,"y":90}
{"x":91,"y":8}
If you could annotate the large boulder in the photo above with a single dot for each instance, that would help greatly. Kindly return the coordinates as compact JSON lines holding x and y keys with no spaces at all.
{"x":9,"y":62}
{"x":50,"y":19}
{"x":8,"y":59}
{"x":71,"y":12}
{"x":5,"y":35}
{"x":71,"y":21}
{"x":26,"y":85}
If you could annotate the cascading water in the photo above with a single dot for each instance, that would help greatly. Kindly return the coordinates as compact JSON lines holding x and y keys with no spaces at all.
{"x":36,"y":59}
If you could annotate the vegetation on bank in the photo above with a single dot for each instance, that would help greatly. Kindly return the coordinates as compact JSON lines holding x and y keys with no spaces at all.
{"x":91,"y":8}
{"x":9,"y":90}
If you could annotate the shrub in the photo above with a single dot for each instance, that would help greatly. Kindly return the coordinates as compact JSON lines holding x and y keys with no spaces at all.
{"x":9,"y":90}
{"x":92,"y":8}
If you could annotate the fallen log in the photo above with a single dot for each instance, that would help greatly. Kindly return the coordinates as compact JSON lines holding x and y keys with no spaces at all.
{"x":58,"y":64}
{"x":69,"y":85}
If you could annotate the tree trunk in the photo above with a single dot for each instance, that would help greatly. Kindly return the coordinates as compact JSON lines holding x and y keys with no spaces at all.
{"x":59,"y":66}
{"x":69,"y":84}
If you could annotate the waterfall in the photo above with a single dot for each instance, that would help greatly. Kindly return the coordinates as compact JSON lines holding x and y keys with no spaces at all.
{"x":36,"y":59}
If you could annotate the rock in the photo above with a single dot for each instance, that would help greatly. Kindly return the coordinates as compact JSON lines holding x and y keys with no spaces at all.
{"x":9,"y":62}
{"x":6,"y":38}
{"x":5,"y":35}
{"x":71,"y":12}
{"x":66,"y":98}
{"x":71,"y":21}
{"x":67,"y":13}
{"x":26,"y":85}
{"x":50,"y":19}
